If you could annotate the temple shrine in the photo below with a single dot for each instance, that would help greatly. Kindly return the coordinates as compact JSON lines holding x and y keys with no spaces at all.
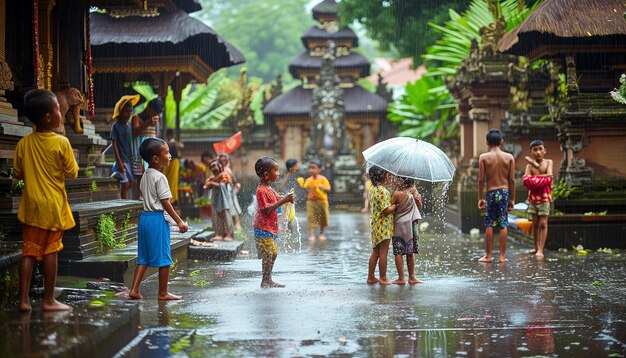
{"x":329,"y":115}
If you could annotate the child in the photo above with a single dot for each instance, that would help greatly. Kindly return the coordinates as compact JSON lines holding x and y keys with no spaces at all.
{"x":381,"y":224}
{"x":221,"y":201}
{"x":367,"y":184}
{"x":405,"y":228}
{"x":497,"y":169}
{"x":317,"y":199}
{"x":538,"y":179}
{"x":154,"y":231}
{"x":266,"y":217}
{"x":288,"y":184}
{"x":233,"y":187}
{"x":43,"y":159}
{"x":121,"y":142}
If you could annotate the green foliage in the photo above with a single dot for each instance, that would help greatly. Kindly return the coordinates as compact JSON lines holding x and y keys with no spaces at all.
{"x":267,"y":33}
{"x":424,"y":111}
{"x":93,"y":186}
{"x":125,"y":227}
{"x":561,"y":191}
{"x":201,"y":201}
{"x":202,"y":105}
{"x":105,"y":233}
{"x":619,"y":94}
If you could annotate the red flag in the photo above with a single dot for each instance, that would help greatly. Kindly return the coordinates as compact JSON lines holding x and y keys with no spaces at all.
{"x":228,"y":145}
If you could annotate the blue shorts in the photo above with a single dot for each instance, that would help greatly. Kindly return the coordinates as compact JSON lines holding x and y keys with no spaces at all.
{"x":153,"y":246}
{"x":127,"y":175}
{"x":497,"y":208}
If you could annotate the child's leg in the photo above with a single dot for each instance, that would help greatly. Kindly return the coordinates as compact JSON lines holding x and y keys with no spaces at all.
{"x":410,"y":263}
{"x":26,"y":271}
{"x":124,"y":187}
{"x":503,"y":235}
{"x":535,"y":219}
{"x":322,"y":236}
{"x":400,"y":268}
{"x":311,"y":234}
{"x":50,"y":265}
{"x":268,"y":266}
{"x":371,"y":266}
{"x":164,"y":277}
{"x":542,"y":235}
{"x":382,"y":261}
{"x":140,"y":270}
{"x":488,"y":245}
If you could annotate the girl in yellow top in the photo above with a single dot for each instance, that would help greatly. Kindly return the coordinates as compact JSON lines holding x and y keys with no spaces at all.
{"x":43,"y":159}
{"x":381,"y":225}
{"x":317,"y":199}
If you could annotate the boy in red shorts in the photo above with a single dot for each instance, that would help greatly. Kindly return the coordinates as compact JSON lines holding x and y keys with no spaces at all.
{"x":43,"y":159}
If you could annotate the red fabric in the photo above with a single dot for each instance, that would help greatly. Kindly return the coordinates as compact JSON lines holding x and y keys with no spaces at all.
{"x":228,"y":145}
{"x":266,"y":196}
{"x":539,"y":188}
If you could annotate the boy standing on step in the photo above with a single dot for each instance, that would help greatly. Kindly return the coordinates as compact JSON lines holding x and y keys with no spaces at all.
{"x":153,"y":245}
{"x":43,"y":159}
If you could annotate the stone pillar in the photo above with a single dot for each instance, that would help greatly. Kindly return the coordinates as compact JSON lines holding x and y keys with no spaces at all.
{"x":293,"y":136}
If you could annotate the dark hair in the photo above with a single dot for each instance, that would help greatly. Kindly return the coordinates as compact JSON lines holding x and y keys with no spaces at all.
{"x":223,"y":155}
{"x":316,"y":162}
{"x":290,"y":163}
{"x":218,"y":163}
{"x":263,"y":165}
{"x":494,"y":137}
{"x":169,"y":131}
{"x":156,"y":104}
{"x":150,"y":147}
{"x":38,"y":103}
{"x":205,"y":154}
{"x":376,"y":174}
{"x":536,"y":143}
{"x":408,"y":182}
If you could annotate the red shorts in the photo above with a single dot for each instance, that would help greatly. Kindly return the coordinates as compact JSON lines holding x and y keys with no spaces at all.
{"x":39,"y":242}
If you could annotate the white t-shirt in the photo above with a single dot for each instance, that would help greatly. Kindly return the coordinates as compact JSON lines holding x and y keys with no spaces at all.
{"x":154,"y":188}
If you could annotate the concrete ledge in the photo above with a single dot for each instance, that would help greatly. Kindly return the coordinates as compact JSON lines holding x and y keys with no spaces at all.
{"x":224,"y":251}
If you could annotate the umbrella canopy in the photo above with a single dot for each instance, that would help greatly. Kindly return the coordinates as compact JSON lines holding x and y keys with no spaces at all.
{"x":412,"y":158}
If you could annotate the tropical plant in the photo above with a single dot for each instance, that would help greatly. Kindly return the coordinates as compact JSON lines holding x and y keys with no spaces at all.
{"x":424,"y":111}
{"x":619,"y":94}
{"x":202,"y":105}
{"x":427,"y":109}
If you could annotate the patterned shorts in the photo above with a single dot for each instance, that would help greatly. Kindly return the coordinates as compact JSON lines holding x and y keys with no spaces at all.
{"x":266,"y":248}
{"x":404,"y":247}
{"x":497,"y":208}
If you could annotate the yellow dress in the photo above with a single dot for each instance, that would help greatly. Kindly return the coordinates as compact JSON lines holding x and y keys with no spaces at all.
{"x":381,"y":225}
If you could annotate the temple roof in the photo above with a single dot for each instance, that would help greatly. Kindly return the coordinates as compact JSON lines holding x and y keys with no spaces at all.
{"x":567,"y":22}
{"x":326,"y":7}
{"x":187,"y":6}
{"x":298,"y":102}
{"x":306,"y":61}
{"x":170,"y":33}
{"x":343,"y":34}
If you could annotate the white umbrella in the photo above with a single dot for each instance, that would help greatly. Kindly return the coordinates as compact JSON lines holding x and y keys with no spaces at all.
{"x":412,"y":158}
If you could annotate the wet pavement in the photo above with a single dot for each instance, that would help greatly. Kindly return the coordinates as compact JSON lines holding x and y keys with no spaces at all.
{"x":572,"y":304}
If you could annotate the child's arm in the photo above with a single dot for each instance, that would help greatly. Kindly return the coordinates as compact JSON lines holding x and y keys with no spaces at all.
{"x":394,"y":204}
{"x":288,"y":198}
{"x":182,"y":226}
{"x":549,"y":168}
{"x":70,"y":167}
{"x":481,"y":183}
{"x":417,"y":197}
{"x":511,"y":180}
{"x":118,"y":158}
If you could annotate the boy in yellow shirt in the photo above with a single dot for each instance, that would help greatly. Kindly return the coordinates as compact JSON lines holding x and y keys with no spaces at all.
{"x":317,"y":199}
{"x":43,"y":159}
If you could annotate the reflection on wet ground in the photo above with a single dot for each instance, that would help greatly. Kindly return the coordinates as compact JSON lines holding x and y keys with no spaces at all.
{"x":567,"y":305}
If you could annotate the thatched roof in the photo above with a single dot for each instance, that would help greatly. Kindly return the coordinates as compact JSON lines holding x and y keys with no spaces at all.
{"x":306,"y":61}
{"x":297,"y":102}
{"x":171,"y":33}
{"x":316,"y":33}
{"x":574,"y":22}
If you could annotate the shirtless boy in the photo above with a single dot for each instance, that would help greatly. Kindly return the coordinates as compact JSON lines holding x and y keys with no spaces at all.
{"x":497,"y":169}
{"x":538,"y":179}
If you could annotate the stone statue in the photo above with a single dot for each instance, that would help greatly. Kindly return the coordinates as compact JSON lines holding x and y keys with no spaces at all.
{"x":70,"y":101}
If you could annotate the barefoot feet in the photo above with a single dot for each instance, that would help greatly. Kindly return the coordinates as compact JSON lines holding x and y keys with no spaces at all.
{"x":271,"y":284}
{"x":502,"y":259}
{"x":169,"y":297}
{"x":25,"y":307}
{"x":399,"y":282}
{"x":55,"y":305}
{"x":413,"y":281}
{"x":135,"y":295}
{"x":372,"y":280}
{"x":486,"y":259}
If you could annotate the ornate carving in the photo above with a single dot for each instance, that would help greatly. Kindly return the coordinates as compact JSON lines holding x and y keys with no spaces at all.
{"x":490,"y":35}
{"x":327,"y":111}
{"x":571,"y":78}
{"x":5,"y":77}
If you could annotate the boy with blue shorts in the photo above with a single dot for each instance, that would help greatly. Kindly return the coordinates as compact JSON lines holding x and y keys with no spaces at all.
{"x":154,"y":231}
{"x":266,"y":217}
{"x":497,"y":170}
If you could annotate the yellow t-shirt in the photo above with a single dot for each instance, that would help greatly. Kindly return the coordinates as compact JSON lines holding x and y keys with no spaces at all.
{"x":315,"y":193}
{"x":43,"y":161}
